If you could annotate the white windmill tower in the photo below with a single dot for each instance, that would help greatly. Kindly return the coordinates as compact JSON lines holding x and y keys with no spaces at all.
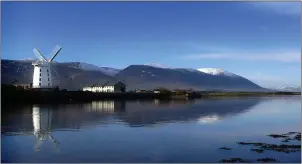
{"x":42,"y":120}
{"x":42,"y":74}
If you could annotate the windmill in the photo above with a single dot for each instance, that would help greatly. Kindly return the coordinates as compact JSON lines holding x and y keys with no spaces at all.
{"x":42,"y":120}
{"x":42,"y":69}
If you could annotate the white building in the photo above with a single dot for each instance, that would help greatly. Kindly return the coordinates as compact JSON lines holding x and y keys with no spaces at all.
{"x":42,"y":75}
{"x":107,"y":87}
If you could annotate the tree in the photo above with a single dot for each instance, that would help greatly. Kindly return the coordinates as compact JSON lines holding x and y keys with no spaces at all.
{"x":163,"y":90}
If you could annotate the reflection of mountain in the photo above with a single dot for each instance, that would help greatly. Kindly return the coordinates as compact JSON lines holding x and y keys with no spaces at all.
{"x":203,"y":111}
{"x":43,"y":119}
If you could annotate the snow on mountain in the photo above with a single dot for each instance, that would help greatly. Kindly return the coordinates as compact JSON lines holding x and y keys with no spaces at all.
{"x":216,"y":71}
{"x":107,"y":70}
{"x":211,"y":71}
{"x":110,"y":71}
{"x":188,"y":69}
{"x":157,"y":65}
{"x":113,"y":71}
{"x":208,"y":119}
{"x":28,"y":59}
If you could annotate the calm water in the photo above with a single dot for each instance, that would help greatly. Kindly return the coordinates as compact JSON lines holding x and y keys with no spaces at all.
{"x":148,"y":131}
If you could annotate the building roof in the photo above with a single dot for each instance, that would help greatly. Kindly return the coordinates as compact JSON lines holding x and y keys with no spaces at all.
{"x":108,"y":83}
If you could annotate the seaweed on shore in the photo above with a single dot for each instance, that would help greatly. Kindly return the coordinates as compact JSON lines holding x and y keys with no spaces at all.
{"x":261,"y":147}
{"x":251,"y":143}
{"x":277,"y":136}
{"x":282,"y":148}
{"x":266,"y":160}
{"x":258,"y":150}
{"x":225,"y":148}
{"x":291,"y":133}
{"x":233,"y":160}
{"x":298,"y":137}
{"x":273,"y":147}
{"x":286,"y":140}
{"x":287,"y":136}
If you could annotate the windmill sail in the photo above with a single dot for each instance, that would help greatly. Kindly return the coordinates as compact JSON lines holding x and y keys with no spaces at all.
{"x":42,"y":69}
{"x":39,"y":54}
{"x":57,"y":75}
{"x":55,"y":52}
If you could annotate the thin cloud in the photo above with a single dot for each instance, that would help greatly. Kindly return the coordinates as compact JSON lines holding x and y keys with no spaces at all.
{"x":267,"y":80}
{"x":290,"y":57}
{"x":263,"y":77}
{"x":289,"y":8}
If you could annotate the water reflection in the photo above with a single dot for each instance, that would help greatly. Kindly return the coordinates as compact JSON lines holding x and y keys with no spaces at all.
{"x":42,"y":119}
{"x":185,"y":131}
{"x":202,"y":111}
{"x":47,"y":118}
{"x":106,"y":106}
{"x":208,"y":119}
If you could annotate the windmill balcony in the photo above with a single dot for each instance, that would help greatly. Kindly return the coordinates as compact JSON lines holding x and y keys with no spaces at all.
{"x":36,"y":63}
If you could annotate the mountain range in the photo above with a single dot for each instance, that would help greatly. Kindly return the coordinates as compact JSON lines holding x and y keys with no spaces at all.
{"x":290,"y":88}
{"x":76,"y":75}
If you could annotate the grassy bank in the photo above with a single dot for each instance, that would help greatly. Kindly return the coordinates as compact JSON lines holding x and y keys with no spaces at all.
{"x":14,"y":95}
{"x":240,"y":94}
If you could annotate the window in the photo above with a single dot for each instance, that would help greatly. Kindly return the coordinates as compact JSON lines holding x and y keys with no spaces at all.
{"x":40,"y":70}
{"x":48,"y":74}
{"x":48,"y":79}
{"x":48,"y":84}
{"x":47,"y":70}
{"x":40,"y":74}
{"x":40,"y":84}
{"x":40,"y":78}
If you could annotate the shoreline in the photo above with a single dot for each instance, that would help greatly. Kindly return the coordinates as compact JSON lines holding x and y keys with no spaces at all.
{"x":12,"y":95}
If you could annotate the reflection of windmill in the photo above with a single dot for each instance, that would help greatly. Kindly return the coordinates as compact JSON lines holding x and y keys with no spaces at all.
{"x":42,"y":75}
{"x":42,"y":126}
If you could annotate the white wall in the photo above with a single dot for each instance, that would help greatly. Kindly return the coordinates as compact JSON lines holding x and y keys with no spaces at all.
{"x":46,"y":80}
{"x":99,"y":89}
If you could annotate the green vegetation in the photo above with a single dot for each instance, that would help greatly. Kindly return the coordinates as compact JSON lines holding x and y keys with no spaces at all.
{"x":13,"y":95}
{"x":237,"y":94}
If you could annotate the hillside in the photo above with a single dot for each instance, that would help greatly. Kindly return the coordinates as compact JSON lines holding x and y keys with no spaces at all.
{"x":144,"y":76}
{"x":76,"y":75}
{"x":290,"y":88}
{"x":70,"y":77}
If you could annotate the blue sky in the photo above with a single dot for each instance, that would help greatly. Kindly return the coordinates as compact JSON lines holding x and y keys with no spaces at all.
{"x":258,"y":40}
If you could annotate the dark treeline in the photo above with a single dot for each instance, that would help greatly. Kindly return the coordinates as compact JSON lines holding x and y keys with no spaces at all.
{"x":17,"y":95}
